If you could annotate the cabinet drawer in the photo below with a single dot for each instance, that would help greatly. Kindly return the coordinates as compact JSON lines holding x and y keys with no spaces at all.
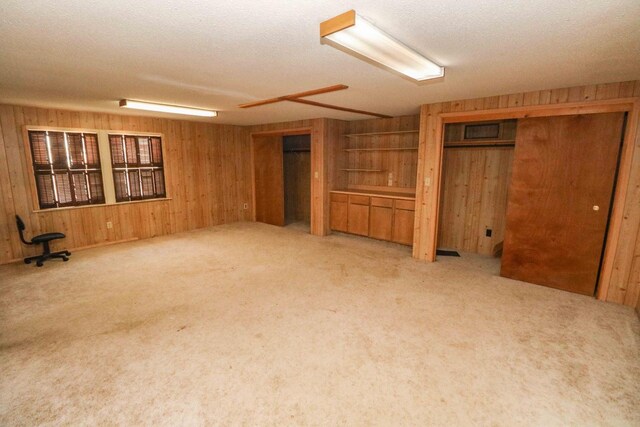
{"x":358,"y":200}
{"x":338,"y":197}
{"x":382,"y":202}
{"x":408,"y":205}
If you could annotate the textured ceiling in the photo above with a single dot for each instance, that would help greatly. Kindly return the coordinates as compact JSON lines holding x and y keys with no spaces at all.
{"x":88,"y":55}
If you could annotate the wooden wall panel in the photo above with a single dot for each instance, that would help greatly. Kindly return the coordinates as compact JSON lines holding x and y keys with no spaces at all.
{"x":623,"y":283}
{"x":474,"y":198}
{"x":207,"y":173}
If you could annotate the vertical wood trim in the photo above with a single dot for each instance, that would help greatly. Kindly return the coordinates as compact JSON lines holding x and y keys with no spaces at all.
{"x":625,"y":218}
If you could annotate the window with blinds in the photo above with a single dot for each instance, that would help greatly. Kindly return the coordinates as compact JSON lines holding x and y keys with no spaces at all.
{"x":67,"y":168}
{"x":137,"y":163}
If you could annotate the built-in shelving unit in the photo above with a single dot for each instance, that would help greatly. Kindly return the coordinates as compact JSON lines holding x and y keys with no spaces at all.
{"x":382,"y":149}
{"x":379,"y":155}
{"x":481,"y":143}
{"x":397,"y":132}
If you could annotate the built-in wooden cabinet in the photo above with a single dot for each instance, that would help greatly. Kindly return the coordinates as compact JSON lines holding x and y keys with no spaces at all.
{"x":381,"y":218}
{"x":339,"y":212}
{"x":384,"y":217}
{"x":403,"y":216}
{"x":358,"y":214}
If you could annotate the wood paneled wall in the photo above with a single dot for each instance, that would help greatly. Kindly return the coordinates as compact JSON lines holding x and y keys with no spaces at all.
{"x":207,"y":168}
{"x":398,"y":168}
{"x":474,"y":198}
{"x":624,"y":280}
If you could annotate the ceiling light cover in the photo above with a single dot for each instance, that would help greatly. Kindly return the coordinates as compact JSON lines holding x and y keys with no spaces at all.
{"x":165,"y":108}
{"x":355,"y":34}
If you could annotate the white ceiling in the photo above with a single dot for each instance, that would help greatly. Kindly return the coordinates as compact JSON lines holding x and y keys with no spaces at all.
{"x":87,"y":55}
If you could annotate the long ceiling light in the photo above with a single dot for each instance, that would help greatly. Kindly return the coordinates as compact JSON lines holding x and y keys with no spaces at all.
{"x":362,"y":39}
{"x":165,"y":108}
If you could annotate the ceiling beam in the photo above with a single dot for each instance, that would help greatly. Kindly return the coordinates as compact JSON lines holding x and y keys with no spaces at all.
{"x":336,"y":107}
{"x":297,"y":97}
{"x":294,"y":95}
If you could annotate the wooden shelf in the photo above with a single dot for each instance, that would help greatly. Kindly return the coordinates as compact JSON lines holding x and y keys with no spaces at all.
{"x":382,"y":149}
{"x":397,"y":132}
{"x":481,"y":143}
{"x":362,"y":170}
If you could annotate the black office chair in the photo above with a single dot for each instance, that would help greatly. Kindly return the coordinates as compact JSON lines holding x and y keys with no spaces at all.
{"x":43,"y":239}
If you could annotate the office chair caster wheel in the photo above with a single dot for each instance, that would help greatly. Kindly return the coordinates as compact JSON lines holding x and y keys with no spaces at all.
{"x":27,"y":261}
{"x":39,"y":264}
{"x":67,"y":253}
{"x":65,"y":259}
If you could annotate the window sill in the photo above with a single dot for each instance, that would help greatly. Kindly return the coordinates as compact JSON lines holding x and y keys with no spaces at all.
{"x":104,"y":205}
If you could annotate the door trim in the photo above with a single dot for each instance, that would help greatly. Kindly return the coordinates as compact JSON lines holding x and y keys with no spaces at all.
{"x":629,"y":105}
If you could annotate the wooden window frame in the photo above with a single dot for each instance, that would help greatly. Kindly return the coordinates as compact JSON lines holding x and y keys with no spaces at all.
{"x":66,"y":169}
{"x":105,"y":166}
{"x":137,"y":166}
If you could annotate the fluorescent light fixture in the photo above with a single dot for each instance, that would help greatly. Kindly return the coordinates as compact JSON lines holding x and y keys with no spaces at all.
{"x":165,"y":108}
{"x":357,"y":36}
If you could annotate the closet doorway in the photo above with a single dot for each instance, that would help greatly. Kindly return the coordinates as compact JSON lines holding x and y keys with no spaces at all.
{"x":282,"y":179}
{"x":476,"y":171}
{"x":535,"y":193}
{"x":297,"y":180}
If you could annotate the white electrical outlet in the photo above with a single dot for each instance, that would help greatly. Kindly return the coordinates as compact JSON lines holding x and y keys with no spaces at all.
{"x":109,"y":224}
{"x":245,"y":206}
{"x":390,"y":179}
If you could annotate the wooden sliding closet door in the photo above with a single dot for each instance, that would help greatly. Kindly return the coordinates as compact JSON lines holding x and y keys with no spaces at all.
{"x":269,"y":179}
{"x":559,"y":198}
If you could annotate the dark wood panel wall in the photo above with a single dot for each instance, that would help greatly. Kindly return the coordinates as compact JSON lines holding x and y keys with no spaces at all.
{"x":207,"y":173}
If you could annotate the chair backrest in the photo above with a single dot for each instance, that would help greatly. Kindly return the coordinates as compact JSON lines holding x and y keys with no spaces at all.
{"x":19,"y":223}
{"x":21,"y":227}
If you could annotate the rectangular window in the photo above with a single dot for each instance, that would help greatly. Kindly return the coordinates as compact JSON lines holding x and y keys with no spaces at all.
{"x":67,"y":168}
{"x":137,"y":164}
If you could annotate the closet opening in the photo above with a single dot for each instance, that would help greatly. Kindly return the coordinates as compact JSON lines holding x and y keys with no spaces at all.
{"x":531,"y":199}
{"x":476,"y":170}
{"x":281,"y":169}
{"x":296,"y":159}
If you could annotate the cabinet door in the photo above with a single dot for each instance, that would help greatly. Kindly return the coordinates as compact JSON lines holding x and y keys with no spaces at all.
{"x":403,"y":226}
{"x":339,"y":216}
{"x":380,"y":222}
{"x":358,"y":219}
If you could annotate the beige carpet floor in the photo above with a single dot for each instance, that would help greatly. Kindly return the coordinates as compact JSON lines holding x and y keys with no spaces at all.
{"x":249,"y":324}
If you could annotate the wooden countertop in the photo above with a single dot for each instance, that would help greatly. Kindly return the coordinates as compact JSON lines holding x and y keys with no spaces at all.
{"x":390,"y":194}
